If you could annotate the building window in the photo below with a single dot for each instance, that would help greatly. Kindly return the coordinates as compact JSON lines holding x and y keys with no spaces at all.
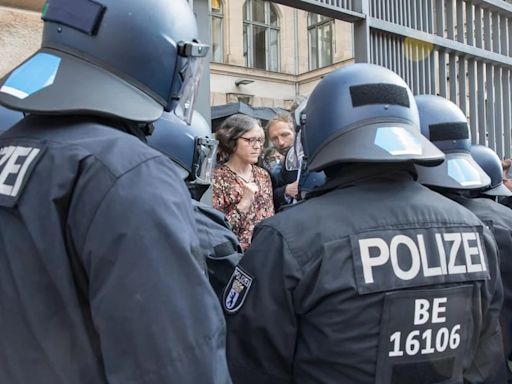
{"x":217,"y":46}
{"x":321,"y":40}
{"x":261,"y":35}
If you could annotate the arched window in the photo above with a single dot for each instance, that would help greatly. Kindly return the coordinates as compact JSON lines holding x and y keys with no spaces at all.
{"x":217,"y":46}
{"x":321,"y":40}
{"x":261,"y":35}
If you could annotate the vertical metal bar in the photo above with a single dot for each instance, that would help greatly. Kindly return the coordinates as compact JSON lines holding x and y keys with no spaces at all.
{"x":470,"y":22}
{"x":430,"y":16}
{"x":407,"y":57}
{"x":460,"y":20}
{"x":442,"y":73}
{"x":453,"y":77}
{"x":478,"y":27}
{"x":413,"y":13}
{"x":373,"y":53}
{"x":504,"y":35}
{"x":473,"y":111}
{"x":450,"y":30}
{"x":424,"y":13}
{"x":419,"y":15}
{"x":498,"y":110}
{"x":510,"y":36}
{"x":432,"y":66}
{"x":380,"y":49}
{"x":396,"y":66}
{"x":489,"y":114}
{"x":507,"y":122}
{"x":496,"y":43}
{"x":440,"y":18}
{"x":416,"y":69}
{"x":481,"y":102}
{"x":487,"y":30}
{"x":384,"y":48}
{"x":462,"y":85}
{"x":399,"y":59}
{"x":421,"y":69}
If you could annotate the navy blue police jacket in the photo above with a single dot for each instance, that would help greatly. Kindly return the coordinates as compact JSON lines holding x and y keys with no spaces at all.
{"x":377,"y":280}
{"x":100,"y":274}
{"x":499,"y":219}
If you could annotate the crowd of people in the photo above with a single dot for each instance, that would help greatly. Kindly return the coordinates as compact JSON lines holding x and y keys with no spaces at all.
{"x":365,"y":244}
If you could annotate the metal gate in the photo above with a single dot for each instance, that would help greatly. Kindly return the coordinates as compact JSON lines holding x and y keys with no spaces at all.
{"x":459,"y":49}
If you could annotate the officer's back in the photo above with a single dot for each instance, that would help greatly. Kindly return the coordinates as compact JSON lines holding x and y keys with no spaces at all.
{"x":473,"y":178}
{"x":374,"y":278}
{"x":101,"y":278}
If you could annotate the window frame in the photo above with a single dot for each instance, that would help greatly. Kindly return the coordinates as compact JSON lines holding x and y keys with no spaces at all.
{"x":315,"y":28}
{"x":272,"y":64}
{"x":219,"y":16}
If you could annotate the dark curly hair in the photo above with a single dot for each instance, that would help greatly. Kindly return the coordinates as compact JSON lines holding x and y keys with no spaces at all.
{"x":230,"y":131}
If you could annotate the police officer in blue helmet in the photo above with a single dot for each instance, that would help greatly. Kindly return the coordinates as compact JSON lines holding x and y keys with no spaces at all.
{"x":463,"y":180}
{"x":100,"y":262}
{"x":490,"y":163}
{"x":193,"y":150}
{"x":486,"y":207}
{"x":375,"y":279}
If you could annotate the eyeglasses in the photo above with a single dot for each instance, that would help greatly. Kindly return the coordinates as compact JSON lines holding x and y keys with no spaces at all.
{"x":254,"y":140}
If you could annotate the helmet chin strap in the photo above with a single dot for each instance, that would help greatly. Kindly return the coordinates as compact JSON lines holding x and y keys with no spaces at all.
{"x":197,"y":190}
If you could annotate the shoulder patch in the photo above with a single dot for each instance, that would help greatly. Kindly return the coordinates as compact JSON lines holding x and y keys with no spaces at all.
{"x":236,"y":290}
{"x":16,"y":165}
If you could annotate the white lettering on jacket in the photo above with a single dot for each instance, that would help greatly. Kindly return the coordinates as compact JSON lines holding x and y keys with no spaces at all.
{"x":14,"y":162}
{"x":464,"y":255}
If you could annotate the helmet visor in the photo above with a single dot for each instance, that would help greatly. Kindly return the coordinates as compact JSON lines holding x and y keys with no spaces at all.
{"x":295,"y":154}
{"x":194,"y":56}
{"x":204,"y":160}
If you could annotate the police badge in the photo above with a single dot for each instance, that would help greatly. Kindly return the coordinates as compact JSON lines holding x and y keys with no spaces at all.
{"x":236,"y":290}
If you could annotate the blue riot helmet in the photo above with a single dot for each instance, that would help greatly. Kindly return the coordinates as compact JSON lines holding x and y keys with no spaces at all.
{"x":489,"y":161}
{"x":446,"y":126}
{"x":191,"y":147}
{"x":364,"y":113}
{"x":8,"y":118}
{"x":130,"y":59}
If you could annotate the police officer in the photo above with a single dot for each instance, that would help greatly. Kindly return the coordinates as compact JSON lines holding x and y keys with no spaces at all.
{"x":101,"y":278}
{"x":192,"y":149}
{"x":485,"y":207}
{"x":375,"y":279}
{"x":462,"y":179}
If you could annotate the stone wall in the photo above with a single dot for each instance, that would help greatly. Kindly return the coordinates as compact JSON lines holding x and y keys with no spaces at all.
{"x":20,"y":36}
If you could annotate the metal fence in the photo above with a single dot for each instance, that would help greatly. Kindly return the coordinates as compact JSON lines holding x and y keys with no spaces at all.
{"x":459,"y":49}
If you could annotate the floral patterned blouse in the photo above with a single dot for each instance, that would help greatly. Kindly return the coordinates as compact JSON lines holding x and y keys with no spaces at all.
{"x":227,"y":192}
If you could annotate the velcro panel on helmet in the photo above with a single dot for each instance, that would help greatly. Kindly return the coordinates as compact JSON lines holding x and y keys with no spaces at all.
{"x":379,"y":93}
{"x":82,"y":15}
{"x":448,"y":131}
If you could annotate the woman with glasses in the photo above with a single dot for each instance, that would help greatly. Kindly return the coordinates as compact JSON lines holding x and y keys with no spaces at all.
{"x":241,"y":189}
